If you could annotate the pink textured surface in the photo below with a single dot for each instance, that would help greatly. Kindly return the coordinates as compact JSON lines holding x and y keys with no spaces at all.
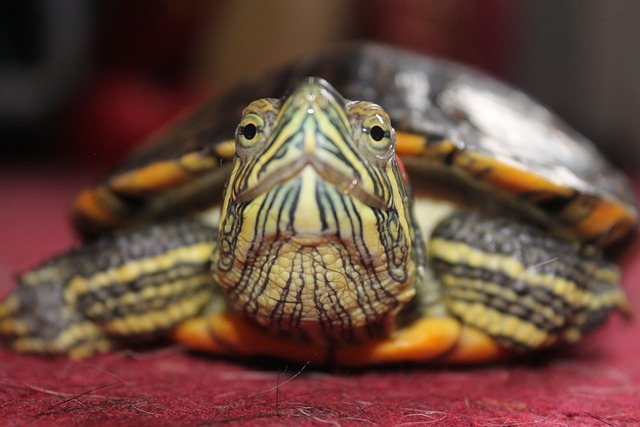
{"x":596,"y":383}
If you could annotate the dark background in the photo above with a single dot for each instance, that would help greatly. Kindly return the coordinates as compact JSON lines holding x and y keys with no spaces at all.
{"x":85,"y":80}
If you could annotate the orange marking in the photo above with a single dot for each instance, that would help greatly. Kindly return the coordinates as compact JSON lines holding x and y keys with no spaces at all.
{"x":228,"y":334}
{"x":408,"y":144}
{"x":441,"y":340}
{"x":157,"y":176}
{"x":508,"y":177}
{"x":475,"y":346}
{"x":423,"y":341}
{"x":607,"y":219}
{"x":601,"y":219}
{"x":87,"y":206}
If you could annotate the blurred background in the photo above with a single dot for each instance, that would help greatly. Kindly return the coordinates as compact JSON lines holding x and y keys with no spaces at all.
{"x":84,"y":80}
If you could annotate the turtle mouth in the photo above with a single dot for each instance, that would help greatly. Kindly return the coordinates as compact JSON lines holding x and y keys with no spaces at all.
{"x":348,"y":185}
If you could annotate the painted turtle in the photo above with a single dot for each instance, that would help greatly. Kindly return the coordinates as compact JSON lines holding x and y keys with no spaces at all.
{"x":317,"y":249}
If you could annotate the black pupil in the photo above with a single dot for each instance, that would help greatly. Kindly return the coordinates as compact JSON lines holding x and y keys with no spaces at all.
{"x":249,"y":131}
{"x":377,"y":133}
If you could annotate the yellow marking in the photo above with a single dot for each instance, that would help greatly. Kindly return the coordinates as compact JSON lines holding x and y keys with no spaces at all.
{"x":77,"y":352}
{"x":156,"y":320}
{"x":609,"y":299}
{"x":569,"y":291}
{"x":478,"y":290}
{"x":609,"y":275}
{"x":13,"y":327}
{"x":573,"y":335}
{"x":29,"y":345}
{"x":266,"y":157}
{"x":83,"y":351}
{"x":438,"y":151}
{"x":313,"y":287}
{"x":44,"y":274}
{"x":310,"y":221}
{"x":462,"y":253}
{"x":196,"y":162}
{"x":226,"y":149}
{"x":132,"y":270}
{"x":9,"y":306}
{"x":76,"y":333}
{"x":480,"y":314}
{"x":316,"y":286}
{"x":151,"y":296}
{"x":496,"y":323}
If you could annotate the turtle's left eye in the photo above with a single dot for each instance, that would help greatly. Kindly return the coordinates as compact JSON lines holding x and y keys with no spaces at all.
{"x":379,"y":136}
{"x":377,"y":133}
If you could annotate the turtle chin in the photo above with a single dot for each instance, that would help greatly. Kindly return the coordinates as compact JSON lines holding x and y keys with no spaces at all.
{"x":315,"y":287}
{"x":310,"y":261}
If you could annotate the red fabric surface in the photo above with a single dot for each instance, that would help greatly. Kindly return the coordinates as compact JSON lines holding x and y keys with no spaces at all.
{"x":596,"y":383}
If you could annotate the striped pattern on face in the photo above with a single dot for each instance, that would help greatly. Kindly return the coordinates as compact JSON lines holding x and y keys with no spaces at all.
{"x":315,"y":233}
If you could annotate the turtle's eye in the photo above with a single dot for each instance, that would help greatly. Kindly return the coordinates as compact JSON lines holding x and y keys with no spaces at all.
{"x":249,"y":132}
{"x":379,"y":136}
{"x":377,"y":133}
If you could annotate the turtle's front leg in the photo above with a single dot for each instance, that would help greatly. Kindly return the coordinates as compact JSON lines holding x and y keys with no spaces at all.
{"x":519,"y":285}
{"x":128,"y":286}
{"x":501,"y":288}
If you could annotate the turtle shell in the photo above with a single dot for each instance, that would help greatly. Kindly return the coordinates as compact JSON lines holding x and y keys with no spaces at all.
{"x":445,"y":114}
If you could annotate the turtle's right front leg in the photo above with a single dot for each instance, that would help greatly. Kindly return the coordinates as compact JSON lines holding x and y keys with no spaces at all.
{"x":133,"y":285}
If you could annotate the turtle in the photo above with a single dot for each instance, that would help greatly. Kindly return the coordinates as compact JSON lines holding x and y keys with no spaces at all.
{"x":366,"y":205}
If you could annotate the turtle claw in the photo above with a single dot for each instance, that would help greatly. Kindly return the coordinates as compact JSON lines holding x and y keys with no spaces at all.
{"x":439,"y":340}
{"x":431,"y":340}
{"x":232,"y":335}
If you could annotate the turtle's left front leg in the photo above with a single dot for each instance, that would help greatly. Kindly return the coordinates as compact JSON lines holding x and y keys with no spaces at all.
{"x":130,"y":286}
{"x":521,"y":286}
{"x":501,"y":288}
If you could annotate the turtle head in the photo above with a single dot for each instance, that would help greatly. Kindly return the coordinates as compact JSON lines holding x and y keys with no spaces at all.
{"x":316,"y":232}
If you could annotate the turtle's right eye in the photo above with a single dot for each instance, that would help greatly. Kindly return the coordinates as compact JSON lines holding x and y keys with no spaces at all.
{"x":249,"y":132}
